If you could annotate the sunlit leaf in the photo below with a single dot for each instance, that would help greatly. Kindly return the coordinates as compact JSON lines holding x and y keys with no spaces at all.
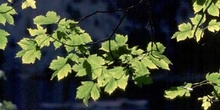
{"x":82,"y":68}
{"x":197,"y":19}
{"x":29,"y":3}
{"x":156,"y":46}
{"x":214,"y":25}
{"x":6,"y":14}
{"x":84,"y":91}
{"x":206,"y":102}
{"x":120,"y":39}
{"x":140,"y":68}
{"x":111,"y":86}
{"x":95,"y":92}
{"x":122,"y":82}
{"x":198,"y":5}
{"x":29,"y":52}
{"x":185,"y":31}
{"x":213,"y":78}
{"x":39,"y":31}
{"x":10,"y":1}
{"x":117,"y":72}
{"x":148,"y":63}
{"x":136,"y":51}
{"x":213,"y":10}
{"x":61,"y":68}
{"x":3,"y":39}
{"x":175,"y":92}
{"x":198,"y":34}
{"x":160,"y":62}
{"x":50,"y":18}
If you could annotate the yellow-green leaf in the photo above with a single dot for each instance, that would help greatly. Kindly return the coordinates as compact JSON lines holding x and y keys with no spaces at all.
{"x":95,"y":92}
{"x":6,"y":14}
{"x":29,"y":52}
{"x":61,"y":67}
{"x":29,"y":3}
{"x":50,"y":18}
{"x":198,"y":5}
{"x":185,"y":30}
{"x":206,"y":102}
{"x":111,"y":86}
{"x":214,"y":25}
{"x":85,"y":91}
{"x":10,"y":1}
{"x":175,"y":92}
{"x":3,"y":39}
{"x":122,"y":83}
{"x":213,"y":10}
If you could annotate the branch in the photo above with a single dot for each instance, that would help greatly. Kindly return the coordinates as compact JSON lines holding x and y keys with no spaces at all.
{"x":96,"y":12}
{"x":111,"y":35}
{"x":13,"y":7}
{"x":113,"y":32}
{"x":197,"y":26}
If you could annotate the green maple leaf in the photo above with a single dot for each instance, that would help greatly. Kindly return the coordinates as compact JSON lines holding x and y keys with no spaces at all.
{"x":96,"y":64}
{"x":175,"y":92}
{"x":148,"y":63}
{"x":10,"y":1}
{"x":82,"y":68}
{"x":136,"y":51}
{"x":214,"y":25}
{"x":198,"y":34}
{"x":29,"y":3}
{"x":206,"y":102}
{"x":86,"y":90}
{"x":50,"y":18}
{"x":120,"y":39}
{"x":122,"y":82}
{"x":218,"y":4}
{"x":162,"y":63}
{"x":117,"y":72}
{"x":140,"y":68}
{"x":6,"y":14}
{"x":43,"y":40}
{"x":197,"y":19}
{"x":95,"y":92}
{"x":29,"y":52}
{"x":213,"y":10}
{"x":3,"y":39}
{"x":39,"y":31}
{"x":213,"y":78}
{"x":111,"y":85}
{"x":156,"y":47}
{"x":105,"y":46}
{"x":198,"y":5}
{"x":185,"y":31}
{"x":61,"y":67}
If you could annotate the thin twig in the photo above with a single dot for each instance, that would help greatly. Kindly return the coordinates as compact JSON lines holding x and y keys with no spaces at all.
{"x":113,"y":32}
{"x":203,"y":15}
{"x":96,"y":12}
{"x":13,"y":7}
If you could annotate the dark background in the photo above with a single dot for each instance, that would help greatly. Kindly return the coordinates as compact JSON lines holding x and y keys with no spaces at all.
{"x":30,"y":88}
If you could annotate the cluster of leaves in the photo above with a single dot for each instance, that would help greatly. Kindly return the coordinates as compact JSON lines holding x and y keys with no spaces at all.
{"x":7,"y":105}
{"x":115,"y":63}
{"x":198,"y":24}
{"x":212,"y":79}
{"x":106,"y":71}
{"x":196,"y":29}
{"x":6,"y":15}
